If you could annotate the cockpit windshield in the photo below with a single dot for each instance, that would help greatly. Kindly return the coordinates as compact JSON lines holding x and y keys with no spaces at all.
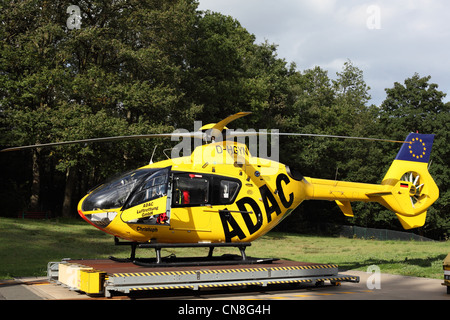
{"x":115,"y":192}
{"x":153,"y":186}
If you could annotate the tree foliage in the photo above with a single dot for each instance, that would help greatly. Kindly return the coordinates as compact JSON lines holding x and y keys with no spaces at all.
{"x":147,"y":66}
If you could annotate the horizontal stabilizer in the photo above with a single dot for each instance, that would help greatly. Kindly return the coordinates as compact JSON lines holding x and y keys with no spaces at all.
{"x":346,"y":208}
{"x":378,"y":194}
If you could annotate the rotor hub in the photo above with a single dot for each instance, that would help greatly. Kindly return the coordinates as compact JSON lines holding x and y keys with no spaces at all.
{"x":412,"y":191}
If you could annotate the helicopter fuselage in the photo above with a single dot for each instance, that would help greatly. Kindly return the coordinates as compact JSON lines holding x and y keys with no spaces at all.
{"x":218,"y":194}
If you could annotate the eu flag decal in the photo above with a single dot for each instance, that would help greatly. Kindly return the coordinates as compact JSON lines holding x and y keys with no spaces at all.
{"x":417,"y":147}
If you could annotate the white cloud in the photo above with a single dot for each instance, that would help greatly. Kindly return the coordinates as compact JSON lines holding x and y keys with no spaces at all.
{"x":412,"y":35}
{"x":319,"y":6}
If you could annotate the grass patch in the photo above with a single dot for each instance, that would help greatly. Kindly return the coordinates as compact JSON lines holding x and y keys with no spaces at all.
{"x":26,"y":246}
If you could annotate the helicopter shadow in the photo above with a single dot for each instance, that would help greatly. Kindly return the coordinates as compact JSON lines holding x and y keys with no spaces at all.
{"x":419,"y":262}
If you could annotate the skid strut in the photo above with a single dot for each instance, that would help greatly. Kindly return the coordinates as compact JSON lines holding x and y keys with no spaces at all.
{"x":159,"y":261}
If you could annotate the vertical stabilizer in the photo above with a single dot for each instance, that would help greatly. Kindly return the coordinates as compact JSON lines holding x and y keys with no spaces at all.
{"x":413,"y":189}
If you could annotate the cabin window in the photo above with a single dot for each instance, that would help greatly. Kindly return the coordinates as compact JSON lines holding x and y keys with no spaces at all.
{"x":190,"y":190}
{"x":225,"y":190}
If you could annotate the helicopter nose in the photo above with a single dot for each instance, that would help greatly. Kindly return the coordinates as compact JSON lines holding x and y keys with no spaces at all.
{"x":102,"y":205}
{"x":99,"y":220}
{"x":83,"y":216}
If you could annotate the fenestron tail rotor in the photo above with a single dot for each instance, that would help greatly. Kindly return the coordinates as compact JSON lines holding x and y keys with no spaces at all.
{"x":416,"y":187}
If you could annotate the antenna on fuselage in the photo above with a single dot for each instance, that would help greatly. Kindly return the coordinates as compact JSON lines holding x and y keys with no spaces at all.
{"x":151,"y":159}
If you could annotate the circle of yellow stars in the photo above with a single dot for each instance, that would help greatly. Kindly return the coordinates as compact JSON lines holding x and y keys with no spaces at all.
{"x":419,"y":149}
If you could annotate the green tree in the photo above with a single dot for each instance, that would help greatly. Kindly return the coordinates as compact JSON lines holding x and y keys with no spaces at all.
{"x":228,"y":72}
{"x":358,"y":160}
{"x":132,"y":67}
{"x":31,"y":76}
{"x":214,"y":65}
{"x":334,"y":107}
{"x":118,"y":74}
{"x":350,"y":86}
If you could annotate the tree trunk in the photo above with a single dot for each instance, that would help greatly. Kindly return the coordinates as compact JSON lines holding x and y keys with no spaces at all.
{"x":68,"y":193}
{"x":36,"y":182}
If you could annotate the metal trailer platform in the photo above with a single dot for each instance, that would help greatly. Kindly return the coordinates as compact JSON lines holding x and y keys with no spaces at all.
{"x":105,"y":277}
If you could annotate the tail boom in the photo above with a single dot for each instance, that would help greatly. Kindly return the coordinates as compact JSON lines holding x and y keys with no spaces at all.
{"x":407,"y":188}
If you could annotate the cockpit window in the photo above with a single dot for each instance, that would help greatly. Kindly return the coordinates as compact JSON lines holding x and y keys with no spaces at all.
{"x":114,"y":193}
{"x":152,"y":186}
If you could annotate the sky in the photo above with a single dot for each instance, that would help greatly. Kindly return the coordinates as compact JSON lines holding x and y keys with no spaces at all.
{"x":388,"y":40}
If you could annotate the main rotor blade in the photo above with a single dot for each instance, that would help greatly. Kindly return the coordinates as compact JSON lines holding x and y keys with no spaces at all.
{"x":221,"y":124}
{"x":240,"y":134}
{"x":197,"y":134}
{"x":107,"y":139}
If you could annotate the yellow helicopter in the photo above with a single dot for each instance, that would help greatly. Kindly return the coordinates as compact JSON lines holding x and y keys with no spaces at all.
{"x":222,"y":195}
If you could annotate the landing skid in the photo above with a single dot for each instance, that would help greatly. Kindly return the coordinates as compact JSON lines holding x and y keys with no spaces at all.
{"x":199,"y":261}
{"x":226,"y":259}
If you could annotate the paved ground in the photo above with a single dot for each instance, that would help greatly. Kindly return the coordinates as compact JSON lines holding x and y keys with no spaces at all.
{"x":392,"y":287}
{"x":385,"y":287}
